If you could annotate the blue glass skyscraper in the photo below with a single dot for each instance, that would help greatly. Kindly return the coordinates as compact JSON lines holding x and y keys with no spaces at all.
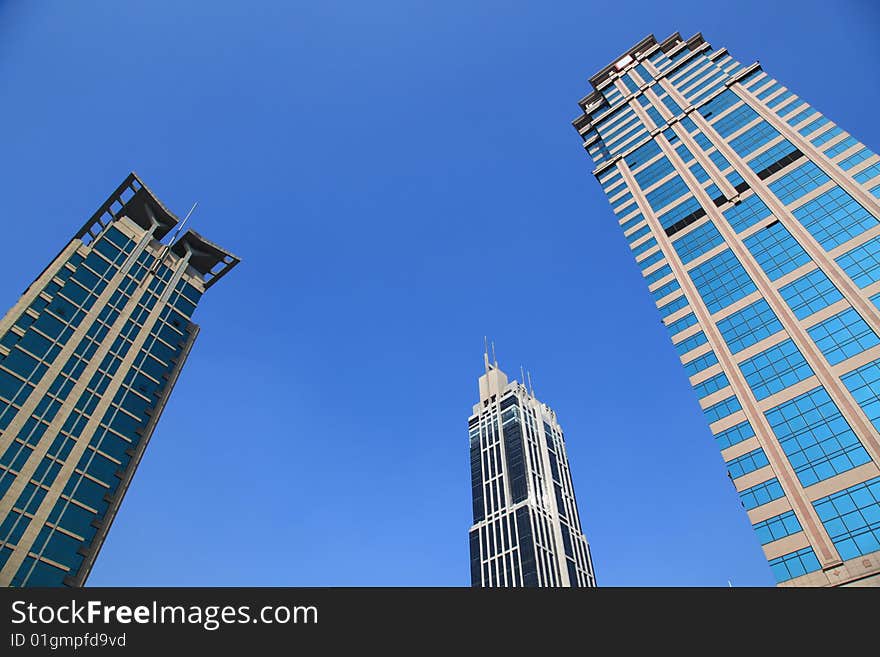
{"x":756,"y":223}
{"x":88,"y":358}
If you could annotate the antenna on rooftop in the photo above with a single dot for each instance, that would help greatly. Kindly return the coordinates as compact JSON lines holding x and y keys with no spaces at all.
{"x":494,"y":359}
{"x":531,"y":390}
{"x":486,"y":353}
{"x":166,"y":248}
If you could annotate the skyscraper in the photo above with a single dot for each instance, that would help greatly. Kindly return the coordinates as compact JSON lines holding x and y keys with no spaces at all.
{"x":527,"y":530}
{"x":88,"y":358}
{"x":756,"y":224}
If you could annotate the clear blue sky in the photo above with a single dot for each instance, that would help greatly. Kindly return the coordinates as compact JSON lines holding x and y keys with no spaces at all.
{"x":400,"y":179}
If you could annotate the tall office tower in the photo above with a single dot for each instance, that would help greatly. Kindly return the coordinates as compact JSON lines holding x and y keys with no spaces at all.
{"x":88,"y":358}
{"x":755,"y":221}
{"x":527,"y":530}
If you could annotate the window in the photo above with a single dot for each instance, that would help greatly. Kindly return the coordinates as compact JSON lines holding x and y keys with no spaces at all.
{"x":654,"y":258}
{"x":699,"y":172}
{"x":654,"y":172}
{"x":630,"y":223}
{"x":734,"y":120}
{"x":864,"y":384}
{"x":779,"y":153}
{"x":856,"y":158}
{"x":747,"y":213}
{"x":679,"y":215}
{"x":721,"y":281}
{"x":812,"y":126}
{"x":794,"y":565}
{"x":700,"y":363}
{"x":815,"y":436}
{"x":665,"y":290}
{"x":834,"y":218}
{"x":841,"y":146}
{"x":852,"y":518}
{"x":747,"y":463}
{"x":868,"y":173}
{"x":827,"y":136}
{"x":798,"y":182}
{"x":700,"y":240}
{"x":722,"y":409}
{"x":862,"y":264}
{"x":667,"y":193}
{"x":642,"y":154}
{"x":735,"y":435}
{"x":718,"y":104}
{"x":772,"y":529}
{"x":842,"y":336}
{"x":810,"y":293}
{"x":655,"y":276}
{"x":641,"y":232}
{"x":775,"y":369}
{"x":761,"y":494}
{"x":753,"y":138}
{"x":680,"y":325}
{"x":676,"y":304}
{"x":644,"y":246}
{"x":690,"y":343}
{"x":711,"y":385}
{"x":776,"y":251}
{"x":749,"y":326}
{"x":801,"y":116}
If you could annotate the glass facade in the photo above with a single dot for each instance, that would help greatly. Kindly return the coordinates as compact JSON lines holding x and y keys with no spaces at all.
{"x":88,"y":357}
{"x":758,"y":233}
{"x":527,"y":528}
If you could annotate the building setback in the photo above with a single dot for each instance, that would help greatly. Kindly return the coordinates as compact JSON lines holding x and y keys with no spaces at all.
{"x":527,"y":529}
{"x":756,"y":224}
{"x":88,"y":358}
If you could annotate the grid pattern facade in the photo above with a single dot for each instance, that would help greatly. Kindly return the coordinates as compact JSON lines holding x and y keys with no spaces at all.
{"x":527,"y":529}
{"x":763,"y":213}
{"x":88,"y":358}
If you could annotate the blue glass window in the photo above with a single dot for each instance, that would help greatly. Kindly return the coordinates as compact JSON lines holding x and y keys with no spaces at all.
{"x":812,"y":126}
{"x":667,"y":289}
{"x":776,"y":250}
{"x":718,"y":104}
{"x":852,"y":518}
{"x":762,"y":493}
{"x":721,"y":281}
{"x":636,"y":234}
{"x":734,"y":120}
{"x":700,"y":363}
{"x":785,"y":95}
{"x":855,"y":159}
{"x":753,"y":138}
{"x":722,"y":409}
{"x":699,"y":172}
{"x":841,"y":146}
{"x":771,"y":156}
{"x":749,"y":326}
{"x":798,"y":182}
{"x":775,"y":369}
{"x":794,"y":565}
{"x":862,"y":264}
{"x":681,"y":324}
{"x":666,"y":193}
{"x":834,"y":218}
{"x":698,"y":241}
{"x":747,"y":213}
{"x":773,"y":88}
{"x":810,"y":293}
{"x":688,"y":206}
{"x":868,"y":173}
{"x":815,"y":436}
{"x":801,"y":116}
{"x":644,"y":246}
{"x":772,"y":529}
{"x":719,"y":160}
{"x":690,"y":343}
{"x":747,"y":463}
{"x":842,"y":336}
{"x":864,"y":384}
{"x":734,"y":435}
{"x":654,"y":172}
{"x":710,"y":385}
{"x":826,"y":136}
{"x":654,"y":258}
{"x":629,"y":223}
{"x":655,"y":276}
{"x":676,"y":304}
{"x":642,"y":154}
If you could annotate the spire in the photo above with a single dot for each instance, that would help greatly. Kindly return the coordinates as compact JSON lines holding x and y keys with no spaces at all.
{"x":486,"y":354}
